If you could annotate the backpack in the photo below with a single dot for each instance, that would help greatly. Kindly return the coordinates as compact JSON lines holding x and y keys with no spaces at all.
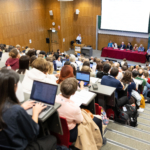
{"x":132,"y":114}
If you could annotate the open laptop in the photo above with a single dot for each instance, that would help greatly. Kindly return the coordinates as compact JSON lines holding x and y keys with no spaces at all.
{"x":83,"y":76}
{"x":44,"y":93}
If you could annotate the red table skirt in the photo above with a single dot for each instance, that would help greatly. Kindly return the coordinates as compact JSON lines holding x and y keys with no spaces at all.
{"x":121,"y":54}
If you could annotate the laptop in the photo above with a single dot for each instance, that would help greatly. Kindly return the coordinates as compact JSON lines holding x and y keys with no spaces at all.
{"x":44,"y":93}
{"x":83,"y":76}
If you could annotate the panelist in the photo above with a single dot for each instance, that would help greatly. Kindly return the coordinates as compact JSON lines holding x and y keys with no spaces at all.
{"x":141,"y":48}
{"x":129,"y":46}
{"x":122,"y":46}
{"x":79,"y":39}
{"x":135,"y":48}
{"x":115,"y":46}
{"x":148,"y":54}
{"x":110,"y":44}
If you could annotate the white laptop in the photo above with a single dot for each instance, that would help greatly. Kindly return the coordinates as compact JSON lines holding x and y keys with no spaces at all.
{"x":44,"y":93}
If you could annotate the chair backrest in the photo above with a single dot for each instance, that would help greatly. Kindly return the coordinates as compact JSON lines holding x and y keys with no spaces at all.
{"x":98,"y":109}
{"x":2,"y":64}
{"x":65,"y":138}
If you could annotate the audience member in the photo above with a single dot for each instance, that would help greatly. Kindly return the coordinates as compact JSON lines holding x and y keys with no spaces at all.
{"x":13,"y":61}
{"x":73,"y":114}
{"x":67,"y":63}
{"x":67,"y":57}
{"x":124,"y":60}
{"x":50,"y":59}
{"x":140,"y":77}
{"x":127,"y":79}
{"x":31,"y":60}
{"x":40,"y":56}
{"x":23,"y":64}
{"x":18,"y":129}
{"x":88,"y":69}
{"x":111,"y":80}
{"x":73,"y":60}
{"x":66,"y":72}
{"x":58,"y":62}
{"x":119,"y":77}
{"x":39,"y":71}
{"x":74,"y":69}
{"x":99,"y":69}
{"x":148,"y":54}
{"x":106,"y":69}
{"x":18,"y":47}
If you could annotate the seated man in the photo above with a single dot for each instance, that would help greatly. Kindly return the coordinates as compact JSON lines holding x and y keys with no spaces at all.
{"x":129,"y":46}
{"x":110,"y":44}
{"x":106,"y":69}
{"x":148,"y":54}
{"x":122,"y":46}
{"x":79,"y":39}
{"x":58,"y":61}
{"x":111,"y":80}
{"x":141,"y":48}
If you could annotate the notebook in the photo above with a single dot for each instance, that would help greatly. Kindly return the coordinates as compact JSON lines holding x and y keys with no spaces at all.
{"x":44,"y":93}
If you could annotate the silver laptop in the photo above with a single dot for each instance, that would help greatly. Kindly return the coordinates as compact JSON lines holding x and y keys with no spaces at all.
{"x":44,"y":93}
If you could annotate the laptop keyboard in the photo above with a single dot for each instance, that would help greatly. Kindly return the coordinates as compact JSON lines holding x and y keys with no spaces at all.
{"x":47,"y":108}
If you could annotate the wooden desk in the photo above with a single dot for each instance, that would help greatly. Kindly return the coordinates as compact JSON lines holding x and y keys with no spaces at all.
{"x":106,"y":95}
{"x":77,"y":47}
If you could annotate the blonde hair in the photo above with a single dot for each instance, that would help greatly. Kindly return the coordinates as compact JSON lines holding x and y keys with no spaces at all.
{"x":86,"y":69}
{"x":41,"y":64}
{"x":18,"y":46}
{"x":40,"y":56}
{"x":51,"y":69}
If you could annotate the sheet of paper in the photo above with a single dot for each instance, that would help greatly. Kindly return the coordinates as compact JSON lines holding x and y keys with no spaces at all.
{"x":82,"y":97}
{"x":93,"y":80}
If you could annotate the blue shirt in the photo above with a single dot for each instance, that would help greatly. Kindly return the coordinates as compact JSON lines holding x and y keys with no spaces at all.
{"x":148,"y":51}
{"x":131,"y":87}
{"x":109,"y":44}
{"x":58,"y":63}
{"x":20,"y":127}
{"x":141,"y":49}
{"x":111,"y":81}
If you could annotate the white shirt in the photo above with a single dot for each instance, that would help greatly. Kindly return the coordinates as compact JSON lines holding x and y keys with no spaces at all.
{"x":79,"y":38}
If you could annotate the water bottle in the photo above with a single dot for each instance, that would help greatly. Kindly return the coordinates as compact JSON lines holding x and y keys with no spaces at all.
{"x":8,"y":67}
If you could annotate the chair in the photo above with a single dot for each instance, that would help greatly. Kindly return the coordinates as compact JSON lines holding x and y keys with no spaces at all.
{"x":98,"y":109}
{"x":65,"y":138}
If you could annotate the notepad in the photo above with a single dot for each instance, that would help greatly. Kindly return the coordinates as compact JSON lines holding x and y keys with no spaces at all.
{"x":82,"y":97}
{"x":93,"y":80}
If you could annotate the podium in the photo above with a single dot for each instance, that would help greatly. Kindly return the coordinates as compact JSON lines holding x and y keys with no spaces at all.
{"x":77,"y":47}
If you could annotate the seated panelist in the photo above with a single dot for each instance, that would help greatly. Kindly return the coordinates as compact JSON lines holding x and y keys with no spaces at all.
{"x":122,"y":46}
{"x":141,"y":48}
{"x":115,"y":46}
{"x":110,"y":44}
{"x":129,"y":46}
{"x":135,"y":48}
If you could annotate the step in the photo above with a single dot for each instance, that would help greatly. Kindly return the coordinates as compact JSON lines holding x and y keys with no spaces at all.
{"x":129,"y":131}
{"x":129,"y":142}
{"x":144,"y":116}
{"x":143,"y":121}
{"x":112,"y":146}
{"x":143,"y":127}
{"x":145,"y":112}
{"x":147,"y":105}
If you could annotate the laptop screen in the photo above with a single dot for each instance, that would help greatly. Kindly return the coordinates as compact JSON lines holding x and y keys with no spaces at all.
{"x":44,"y":92}
{"x":83,"y":76}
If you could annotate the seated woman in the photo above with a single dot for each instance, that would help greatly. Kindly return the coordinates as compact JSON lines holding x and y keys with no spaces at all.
{"x":23,"y":64}
{"x":31,"y":60}
{"x":38,"y":72}
{"x":17,"y":128}
{"x":135,"y":48}
{"x":99,"y":69}
{"x":13,"y":61}
{"x":73,"y":114}
{"x":66,"y":72}
{"x":88,"y":69}
{"x":127,"y":79}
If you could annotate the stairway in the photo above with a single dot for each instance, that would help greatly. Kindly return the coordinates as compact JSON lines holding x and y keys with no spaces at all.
{"x":123,"y":137}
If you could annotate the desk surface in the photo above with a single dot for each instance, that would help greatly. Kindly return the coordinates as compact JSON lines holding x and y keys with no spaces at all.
{"x":102,"y":89}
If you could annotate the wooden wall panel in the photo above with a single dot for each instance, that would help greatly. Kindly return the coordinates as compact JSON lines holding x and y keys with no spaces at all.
{"x":85,"y":22}
{"x":104,"y":39}
{"x":21,"y":20}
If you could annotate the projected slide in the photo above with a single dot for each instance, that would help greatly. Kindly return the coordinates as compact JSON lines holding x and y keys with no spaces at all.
{"x":125,"y":15}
